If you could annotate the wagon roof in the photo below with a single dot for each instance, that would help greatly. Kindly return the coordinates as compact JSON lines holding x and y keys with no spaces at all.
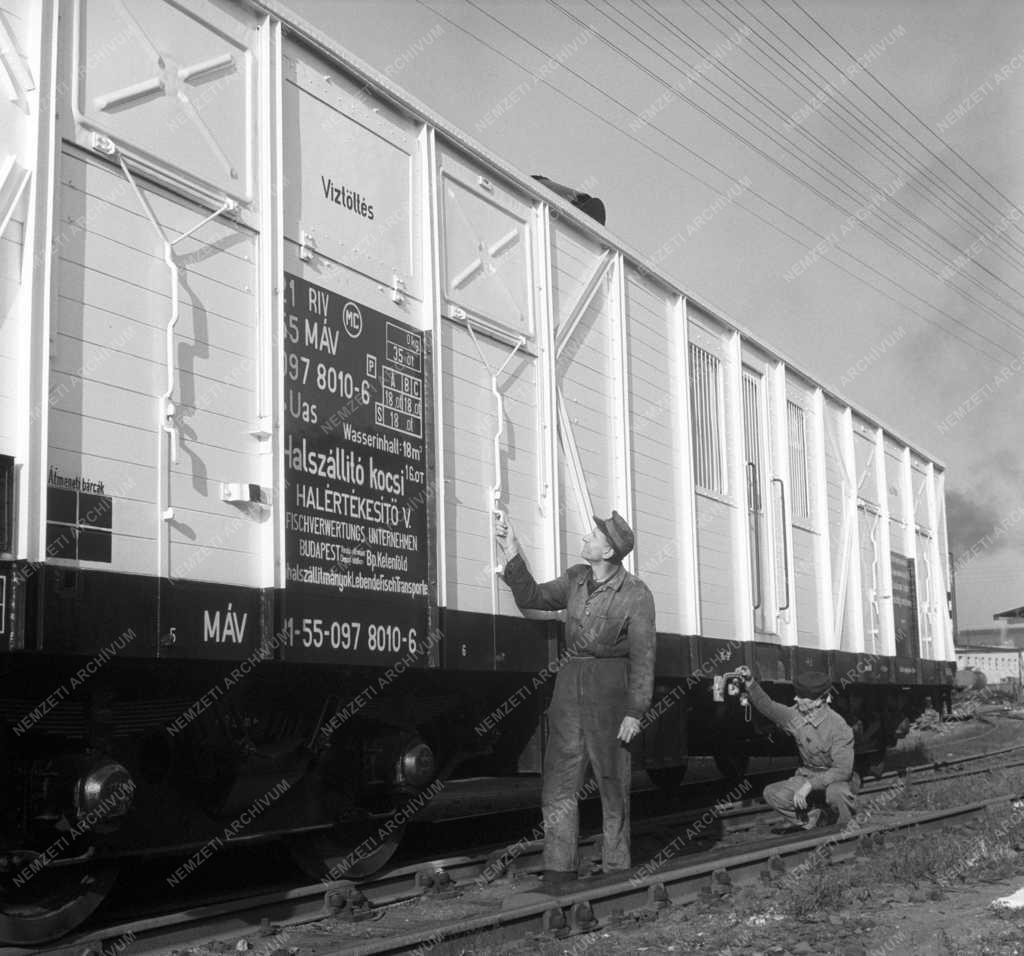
{"x":315,"y":38}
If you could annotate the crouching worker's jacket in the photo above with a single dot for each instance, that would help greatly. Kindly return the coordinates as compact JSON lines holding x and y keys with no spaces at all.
{"x":823,"y":738}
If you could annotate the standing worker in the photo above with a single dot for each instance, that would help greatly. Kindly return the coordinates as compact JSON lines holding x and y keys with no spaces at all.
{"x":602,"y":690}
{"x":825,"y":743}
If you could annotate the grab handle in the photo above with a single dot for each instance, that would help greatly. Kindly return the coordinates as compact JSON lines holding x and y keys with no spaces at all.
{"x":785,"y":550}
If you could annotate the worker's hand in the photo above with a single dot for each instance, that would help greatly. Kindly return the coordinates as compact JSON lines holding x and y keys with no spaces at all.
{"x":505,"y":534}
{"x":800,"y":797}
{"x":628,"y":729}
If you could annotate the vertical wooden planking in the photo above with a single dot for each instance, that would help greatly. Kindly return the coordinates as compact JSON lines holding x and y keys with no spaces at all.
{"x":854,"y":578}
{"x":943,"y":647}
{"x":487,"y":240}
{"x":686,"y":540}
{"x":869,"y":520}
{"x":919,"y":479}
{"x":38,"y":279}
{"x":523,"y":466}
{"x":909,"y":545}
{"x":742,"y":593}
{"x":927,"y":571}
{"x":270,"y":358}
{"x":20,"y":40}
{"x":589,"y":408}
{"x":804,"y":498}
{"x":470,"y":423}
{"x":825,"y":589}
{"x":784,"y":549}
{"x":885,"y":598}
{"x":432,"y":298}
{"x":108,"y":340}
{"x":904,"y":477}
{"x":837,"y":493}
{"x":659,"y":461}
{"x":550,"y":504}
{"x":715,"y":497}
{"x":759,"y":450}
{"x":622,"y":388}
{"x":906,"y":638}
{"x":12,"y":326}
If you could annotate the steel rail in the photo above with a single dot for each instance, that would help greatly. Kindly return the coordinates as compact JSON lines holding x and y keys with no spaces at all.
{"x":295,"y":906}
{"x":589,"y":908}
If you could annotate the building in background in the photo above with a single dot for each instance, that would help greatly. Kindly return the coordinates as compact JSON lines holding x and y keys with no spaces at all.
{"x":997,"y":652}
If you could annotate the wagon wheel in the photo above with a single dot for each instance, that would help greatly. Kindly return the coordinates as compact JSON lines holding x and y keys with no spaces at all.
{"x":349,"y":850}
{"x":667,"y":779}
{"x":51,"y":902}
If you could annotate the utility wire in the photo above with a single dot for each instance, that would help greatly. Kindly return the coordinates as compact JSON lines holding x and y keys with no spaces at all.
{"x":868,"y":125}
{"x":888,"y":218}
{"x":772,"y":225}
{"x":881,"y":152}
{"x":997,"y":191}
{"x":781,"y":166}
{"x":682,"y":145}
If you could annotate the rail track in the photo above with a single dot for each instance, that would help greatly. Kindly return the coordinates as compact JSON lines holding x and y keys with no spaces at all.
{"x":501,"y":881}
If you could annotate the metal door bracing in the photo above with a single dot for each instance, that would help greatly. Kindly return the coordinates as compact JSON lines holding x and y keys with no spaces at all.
{"x":928,"y":607}
{"x":874,"y":587}
{"x":589,"y":429}
{"x":929,"y":589}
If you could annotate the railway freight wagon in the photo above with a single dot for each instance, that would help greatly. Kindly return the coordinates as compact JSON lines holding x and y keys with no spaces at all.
{"x":275,"y":343}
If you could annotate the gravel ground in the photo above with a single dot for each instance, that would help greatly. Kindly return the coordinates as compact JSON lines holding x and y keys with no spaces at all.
{"x":916,"y":895}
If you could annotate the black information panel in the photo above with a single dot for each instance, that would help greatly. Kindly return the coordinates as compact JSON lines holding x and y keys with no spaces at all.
{"x":355,"y":464}
{"x":904,"y":604}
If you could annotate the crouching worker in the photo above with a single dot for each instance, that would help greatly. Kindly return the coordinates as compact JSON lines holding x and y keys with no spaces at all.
{"x":825,"y":743}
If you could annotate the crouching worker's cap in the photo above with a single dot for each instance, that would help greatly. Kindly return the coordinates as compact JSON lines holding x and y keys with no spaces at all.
{"x":812,"y":685}
{"x":618,"y":533}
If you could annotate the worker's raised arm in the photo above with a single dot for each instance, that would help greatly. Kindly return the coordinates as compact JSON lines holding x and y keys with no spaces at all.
{"x":549,"y":596}
{"x":777,"y":713}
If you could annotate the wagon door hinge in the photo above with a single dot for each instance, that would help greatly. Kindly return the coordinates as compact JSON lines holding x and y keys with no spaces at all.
{"x":103,"y":144}
{"x":307,"y":245}
{"x":397,"y":289}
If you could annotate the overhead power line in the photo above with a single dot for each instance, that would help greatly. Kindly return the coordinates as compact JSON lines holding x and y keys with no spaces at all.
{"x":718,"y":121}
{"x":836,"y":180}
{"x":997,"y":191}
{"x":932,"y":187}
{"x":925,"y":317}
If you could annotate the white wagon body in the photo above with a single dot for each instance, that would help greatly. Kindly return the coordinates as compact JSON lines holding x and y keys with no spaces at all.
{"x":275,"y":342}
{"x":150,"y":366}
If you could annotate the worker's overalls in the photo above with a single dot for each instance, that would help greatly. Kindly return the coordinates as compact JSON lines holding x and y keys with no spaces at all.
{"x":608,"y":674}
{"x":583,"y":723}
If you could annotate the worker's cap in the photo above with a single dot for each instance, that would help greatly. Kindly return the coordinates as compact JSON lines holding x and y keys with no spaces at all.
{"x":618,"y":533}
{"x":812,"y":685}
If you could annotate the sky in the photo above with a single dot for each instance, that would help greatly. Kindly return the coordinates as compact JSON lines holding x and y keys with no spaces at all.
{"x":843,"y":178}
